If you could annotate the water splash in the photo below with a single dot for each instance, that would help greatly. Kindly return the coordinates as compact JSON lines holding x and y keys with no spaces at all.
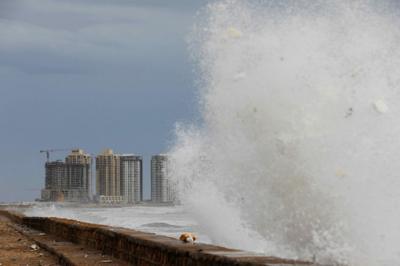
{"x":299,"y":147}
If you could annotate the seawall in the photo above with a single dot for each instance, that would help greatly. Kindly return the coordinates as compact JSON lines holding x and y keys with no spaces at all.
{"x":139,"y":248}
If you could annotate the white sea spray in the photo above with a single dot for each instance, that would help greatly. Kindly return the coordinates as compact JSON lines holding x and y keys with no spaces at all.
{"x":298,"y":151}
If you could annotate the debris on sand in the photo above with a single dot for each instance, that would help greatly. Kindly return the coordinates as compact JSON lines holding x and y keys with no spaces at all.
{"x":188,"y":237}
{"x":34,"y":247}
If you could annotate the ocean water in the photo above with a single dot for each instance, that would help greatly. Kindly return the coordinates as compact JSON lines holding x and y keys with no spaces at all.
{"x":163,"y":220}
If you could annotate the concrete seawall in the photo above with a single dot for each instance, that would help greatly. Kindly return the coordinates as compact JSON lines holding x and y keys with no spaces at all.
{"x":139,"y":248}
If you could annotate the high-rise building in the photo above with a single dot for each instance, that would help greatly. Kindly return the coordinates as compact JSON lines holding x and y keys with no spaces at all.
{"x":55,"y":181}
{"x":78,"y":156}
{"x":161,"y":186}
{"x":69,"y":180}
{"x":131,"y":177}
{"x":80,"y":169}
{"x":108,"y":177}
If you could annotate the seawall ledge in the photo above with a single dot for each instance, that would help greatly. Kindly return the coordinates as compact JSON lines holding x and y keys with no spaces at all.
{"x":142,"y":248}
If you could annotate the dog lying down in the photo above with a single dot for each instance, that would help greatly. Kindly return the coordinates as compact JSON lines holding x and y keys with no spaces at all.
{"x":188,"y":237}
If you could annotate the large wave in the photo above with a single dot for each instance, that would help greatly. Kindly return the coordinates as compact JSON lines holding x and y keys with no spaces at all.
{"x":298,"y":150}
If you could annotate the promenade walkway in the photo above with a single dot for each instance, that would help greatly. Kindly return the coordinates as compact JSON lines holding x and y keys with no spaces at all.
{"x":23,"y":246}
{"x":17,"y":249}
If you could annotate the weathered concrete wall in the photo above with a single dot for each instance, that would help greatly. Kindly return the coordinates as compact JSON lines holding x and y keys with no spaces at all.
{"x":139,"y":248}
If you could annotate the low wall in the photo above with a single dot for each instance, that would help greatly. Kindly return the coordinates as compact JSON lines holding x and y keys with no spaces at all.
{"x":139,"y":248}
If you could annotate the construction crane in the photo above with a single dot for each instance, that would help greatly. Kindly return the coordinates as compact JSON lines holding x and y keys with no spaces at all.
{"x":51,"y":150}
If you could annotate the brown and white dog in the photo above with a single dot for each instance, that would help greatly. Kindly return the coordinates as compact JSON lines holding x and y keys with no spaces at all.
{"x":188,"y":237}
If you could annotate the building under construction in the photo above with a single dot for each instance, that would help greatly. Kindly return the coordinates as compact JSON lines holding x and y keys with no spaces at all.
{"x":69,"y":180}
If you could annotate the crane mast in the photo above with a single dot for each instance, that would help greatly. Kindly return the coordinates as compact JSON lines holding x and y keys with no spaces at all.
{"x":48,"y":151}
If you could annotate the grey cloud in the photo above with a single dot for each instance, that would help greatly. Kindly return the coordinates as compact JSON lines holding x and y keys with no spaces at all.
{"x":102,"y":33}
{"x":75,"y":14}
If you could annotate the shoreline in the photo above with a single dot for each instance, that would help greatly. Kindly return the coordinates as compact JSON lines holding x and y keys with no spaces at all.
{"x":140,"y":248}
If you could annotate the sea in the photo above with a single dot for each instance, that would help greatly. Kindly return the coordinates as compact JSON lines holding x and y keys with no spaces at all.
{"x":163,"y":220}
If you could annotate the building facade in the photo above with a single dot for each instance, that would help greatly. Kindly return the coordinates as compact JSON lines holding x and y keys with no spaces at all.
{"x":55,"y":181}
{"x":162,"y":189}
{"x":79,"y":169}
{"x":119,"y":178}
{"x":108,"y":177}
{"x":69,"y":180}
{"x":131,"y":178}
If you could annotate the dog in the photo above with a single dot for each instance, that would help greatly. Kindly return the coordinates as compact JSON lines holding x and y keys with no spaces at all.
{"x":188,"y":237}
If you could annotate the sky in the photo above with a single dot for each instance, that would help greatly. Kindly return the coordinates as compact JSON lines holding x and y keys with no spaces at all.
{"x":93,"y":74}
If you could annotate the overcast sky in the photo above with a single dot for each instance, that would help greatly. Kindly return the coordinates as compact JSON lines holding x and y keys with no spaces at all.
{"x":90,"y":74}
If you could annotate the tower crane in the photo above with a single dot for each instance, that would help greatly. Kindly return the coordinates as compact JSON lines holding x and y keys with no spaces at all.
{"x":48,"y":151}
